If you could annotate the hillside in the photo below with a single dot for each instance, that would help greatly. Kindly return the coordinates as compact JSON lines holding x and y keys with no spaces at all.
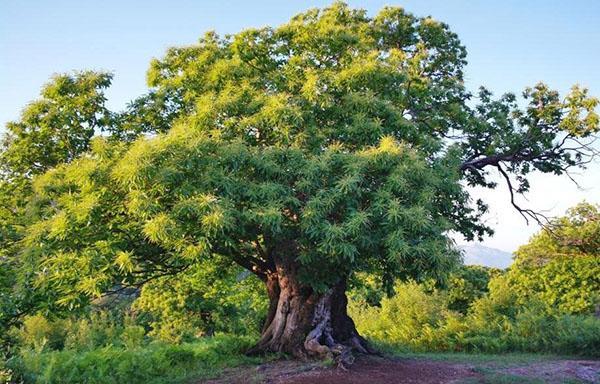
{"x":477,"y":254}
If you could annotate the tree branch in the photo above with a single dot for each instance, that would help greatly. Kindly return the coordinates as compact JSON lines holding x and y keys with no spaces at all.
{"x":526,"y":213}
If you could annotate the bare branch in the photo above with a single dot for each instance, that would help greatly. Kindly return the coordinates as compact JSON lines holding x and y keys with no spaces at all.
{"x":527,"y":214}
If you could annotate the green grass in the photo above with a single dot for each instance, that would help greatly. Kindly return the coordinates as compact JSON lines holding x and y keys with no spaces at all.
{"x":156,"y":363}
{"x":492,"y":377}
{"x":500,"y":360}
{"x":159,"y":363}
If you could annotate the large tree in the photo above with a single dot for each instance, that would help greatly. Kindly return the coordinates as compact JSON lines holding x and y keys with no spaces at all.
{"x":335,"y":144}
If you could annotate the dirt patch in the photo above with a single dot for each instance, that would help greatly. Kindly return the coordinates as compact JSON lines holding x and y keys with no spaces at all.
{"x":365,"y":370}
{"x":587,"y":371}
{"x":376,"y":370}
{"x":404,"y":371}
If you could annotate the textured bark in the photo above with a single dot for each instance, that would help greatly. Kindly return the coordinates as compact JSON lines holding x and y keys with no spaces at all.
{"x":307,"y":324}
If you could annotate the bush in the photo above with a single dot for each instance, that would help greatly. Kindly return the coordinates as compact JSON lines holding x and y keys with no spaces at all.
{"x":40,"y":334}
{"x":133,"y":336}
{"x":467,"y":284}
{"x":154,"y":363}
{"x":201,"y":301}
{"x":413,"y":320}
{"x":407,"y":319}
{"x":99,"y":329}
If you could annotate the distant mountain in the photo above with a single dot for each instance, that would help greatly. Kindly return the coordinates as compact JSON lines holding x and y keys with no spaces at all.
{"x":477,"y":254}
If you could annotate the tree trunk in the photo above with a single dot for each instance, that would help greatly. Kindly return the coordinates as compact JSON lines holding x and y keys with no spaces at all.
{"x":304,"y":323}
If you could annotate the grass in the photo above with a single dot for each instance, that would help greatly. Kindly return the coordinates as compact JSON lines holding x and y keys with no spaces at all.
{"x":491,"y":377}
{"x":159,"y":363}
{"x":156,"y":363}
{"x":501,"y":359}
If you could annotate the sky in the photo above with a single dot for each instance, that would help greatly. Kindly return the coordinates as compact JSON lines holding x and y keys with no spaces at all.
{"x":511,"y":44}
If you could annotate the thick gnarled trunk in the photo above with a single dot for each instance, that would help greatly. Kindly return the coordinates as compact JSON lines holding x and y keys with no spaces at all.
{"x":305,"y":323}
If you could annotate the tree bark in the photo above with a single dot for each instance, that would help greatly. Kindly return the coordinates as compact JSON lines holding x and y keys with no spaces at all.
{"x":306,"y":324}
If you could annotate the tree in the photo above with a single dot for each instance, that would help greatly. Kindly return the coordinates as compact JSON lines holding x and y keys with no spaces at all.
{"x":58,"y":127}
{"x":560,"y":266}
{"x":574,"y":235}
{"x":54,"y":129}
{"x":332,"y":145}
{"x":467,"y":284}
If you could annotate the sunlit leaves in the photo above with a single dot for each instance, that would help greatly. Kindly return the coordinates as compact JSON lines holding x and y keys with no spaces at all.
{"x":161,"y":229}
{"x":124,"y":261}
{"x":581,"y":118}
{"x":59,"y":226}
{"x":337,"y":137}
{"x":59,"y":126}
{"x":560,"y":266}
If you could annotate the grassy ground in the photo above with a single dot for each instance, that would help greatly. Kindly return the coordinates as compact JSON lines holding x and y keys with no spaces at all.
{"x":499,"y":360}
{"x":221,"y":360}
{"x":155,"y":363}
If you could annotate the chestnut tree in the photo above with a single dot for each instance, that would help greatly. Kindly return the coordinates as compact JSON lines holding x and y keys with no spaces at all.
{"x":335,"y":144}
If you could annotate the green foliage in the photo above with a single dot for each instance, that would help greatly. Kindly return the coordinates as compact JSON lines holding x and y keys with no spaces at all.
{"x":339,"y":142}
{"x":565,"y":284}
{"x":577,"y":234}
{"x":133,"y":336}
{"x":117,"y":217}
{"x":416,"y":321}
{"x":409,"y":318}
{"x":156,"y":363}
{"x":205,"y":299}
{"x":99,"y":329}
{"x":328,"y":133}
{"x":560,"y":266}
{"x":59,"y":126}
{"x":38,"y":334}
{"x":467,"y":284}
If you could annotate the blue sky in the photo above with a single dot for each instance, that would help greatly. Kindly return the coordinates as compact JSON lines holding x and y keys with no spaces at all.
{"x":511,"y":44}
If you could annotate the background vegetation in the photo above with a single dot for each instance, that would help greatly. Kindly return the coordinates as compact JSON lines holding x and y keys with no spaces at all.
{"x":175,"y":330}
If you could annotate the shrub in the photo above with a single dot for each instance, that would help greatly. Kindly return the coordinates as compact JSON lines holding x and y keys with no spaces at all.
{"x":155,"y":363}
{"x":467,"y":284}
{"x":101,"y":328}
{"x":39,"y":334}
{"x":413,"y":320}
{"x":98,"y":329}
{"x":407,"y":319}
{"x":201,"y":301}
{"x":133,"y":336}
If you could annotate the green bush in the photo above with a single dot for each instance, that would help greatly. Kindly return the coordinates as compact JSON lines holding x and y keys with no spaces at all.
{"x":154,"y":363}
{"x":467,"y":284}
{"x":407,"y":319}
{"x":39,"y":334}
{"x":133,"y":336}
{"x":414,"y":320}
{"x":98,"y":329}
{"x":201,"y":301}
{"x":6,"y":374}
